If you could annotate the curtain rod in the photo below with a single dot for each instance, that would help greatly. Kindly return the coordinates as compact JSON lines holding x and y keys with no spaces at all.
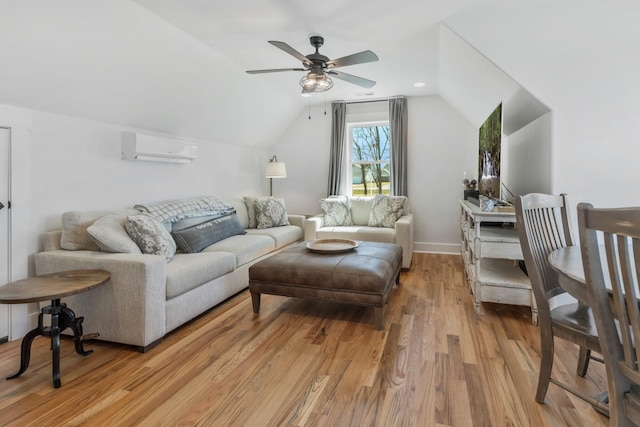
{"x":364,"y":101}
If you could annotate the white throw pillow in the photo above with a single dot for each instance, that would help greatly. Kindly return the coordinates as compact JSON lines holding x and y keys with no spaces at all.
{"x":110,"y":235}
{"x":336,"y":211}
{"x":386,"y":210}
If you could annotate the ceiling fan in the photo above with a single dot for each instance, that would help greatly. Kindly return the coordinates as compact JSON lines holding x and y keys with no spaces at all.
{"x":320,"y":67}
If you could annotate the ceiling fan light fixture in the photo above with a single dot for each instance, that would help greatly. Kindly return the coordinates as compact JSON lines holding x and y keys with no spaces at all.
{"x":314,"y":82}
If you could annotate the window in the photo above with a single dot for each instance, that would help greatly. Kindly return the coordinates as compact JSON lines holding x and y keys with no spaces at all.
{"x":370,"y":158}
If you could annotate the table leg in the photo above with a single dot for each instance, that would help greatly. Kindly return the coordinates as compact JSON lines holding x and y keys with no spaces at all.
{"x":25,"y":351}
{"x":55,"y":347}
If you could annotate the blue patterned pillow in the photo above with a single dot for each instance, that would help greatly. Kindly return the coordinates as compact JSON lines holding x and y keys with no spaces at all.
{"x":271,"y":213}
{"x":196,"y":238}
{"x":150,"y":236}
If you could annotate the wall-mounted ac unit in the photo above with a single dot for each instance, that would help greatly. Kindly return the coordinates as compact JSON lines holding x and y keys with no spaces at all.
{"x":137,"y":146}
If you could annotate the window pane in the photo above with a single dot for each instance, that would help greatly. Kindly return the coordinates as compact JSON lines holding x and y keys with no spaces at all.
{"x":370,"y":179}
{"x":371,"y":143}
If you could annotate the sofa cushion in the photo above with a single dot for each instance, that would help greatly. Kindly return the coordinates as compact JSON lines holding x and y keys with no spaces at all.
{"x":246,"y":248}
{"x":188,"y":271}
{"x":271,"y":212}
{"x":360,"y":209}
{"x":150,"y":236}
{"x":358,"y":232}
{"x":198,"y":237}
{"x":110,"y":235}
{"x":386,"y":210}
{"x":74,"y":228}
{"x":336,"y":211}
{"x":281,"y":235}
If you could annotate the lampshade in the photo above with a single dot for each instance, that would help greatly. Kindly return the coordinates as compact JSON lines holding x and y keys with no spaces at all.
{"x":316,"y":82}
{"x":275,"y":169}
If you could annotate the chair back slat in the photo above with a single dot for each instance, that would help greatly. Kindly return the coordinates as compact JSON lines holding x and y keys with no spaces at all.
{"x":610,"y":241}
{"x":543,"y":227}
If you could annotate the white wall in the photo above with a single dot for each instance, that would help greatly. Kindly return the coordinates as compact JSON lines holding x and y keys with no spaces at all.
{"x":528,"y":158}
{"x":580,"y":58}
{"x":442,"y":144}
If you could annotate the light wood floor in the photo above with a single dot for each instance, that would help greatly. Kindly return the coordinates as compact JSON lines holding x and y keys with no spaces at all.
{"x":306,"y":363}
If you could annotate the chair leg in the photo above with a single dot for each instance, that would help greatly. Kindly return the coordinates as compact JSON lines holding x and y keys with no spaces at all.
{"x":583,"y":361}
{"x":546,"y":364}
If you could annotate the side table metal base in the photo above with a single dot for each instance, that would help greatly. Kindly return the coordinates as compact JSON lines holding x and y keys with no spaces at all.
{"x":61,"y":319}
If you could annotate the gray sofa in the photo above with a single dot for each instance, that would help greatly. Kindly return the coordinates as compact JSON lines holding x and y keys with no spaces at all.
{"x":147,"y":297}
{"x":354,"y":221}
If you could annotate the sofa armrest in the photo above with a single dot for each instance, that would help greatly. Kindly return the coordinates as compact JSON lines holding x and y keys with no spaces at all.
{"x":130,"y":307}
{"x":404,"y":238}
{"x":311,"y":226}
{"x":296,"y":220}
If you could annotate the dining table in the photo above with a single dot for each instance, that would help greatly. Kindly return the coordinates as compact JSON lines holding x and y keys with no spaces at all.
{"x":567,"y":262}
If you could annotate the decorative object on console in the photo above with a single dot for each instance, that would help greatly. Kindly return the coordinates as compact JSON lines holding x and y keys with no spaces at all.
{"x":275,"y":169}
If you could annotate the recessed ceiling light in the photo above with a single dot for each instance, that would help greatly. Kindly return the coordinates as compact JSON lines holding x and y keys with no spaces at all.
{"x":419,"y":84}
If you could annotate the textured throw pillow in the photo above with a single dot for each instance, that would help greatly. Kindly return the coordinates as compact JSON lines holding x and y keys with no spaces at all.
{"x":336,"y":211}
{"x":251,"y":211}
{"x":150,"y":236}
{"x":385,"y":211}
{"x":196,"y":238}
{"x":110,"y":235}
{"x":271,"y":213}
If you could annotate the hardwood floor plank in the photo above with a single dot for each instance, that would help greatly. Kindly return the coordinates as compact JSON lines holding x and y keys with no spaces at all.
{"x":309,"y":363}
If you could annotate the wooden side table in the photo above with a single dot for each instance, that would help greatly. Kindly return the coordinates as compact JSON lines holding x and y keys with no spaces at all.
{"x":52,"y":287}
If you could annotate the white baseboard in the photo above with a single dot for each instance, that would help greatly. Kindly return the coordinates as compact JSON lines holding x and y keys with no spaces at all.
{"x":438,"y":248}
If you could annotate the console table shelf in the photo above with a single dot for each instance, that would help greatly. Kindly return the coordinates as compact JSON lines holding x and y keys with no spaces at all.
{"x":490,"y":253}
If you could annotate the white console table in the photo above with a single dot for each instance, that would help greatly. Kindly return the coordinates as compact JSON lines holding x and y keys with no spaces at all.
{"x":490,"y":254}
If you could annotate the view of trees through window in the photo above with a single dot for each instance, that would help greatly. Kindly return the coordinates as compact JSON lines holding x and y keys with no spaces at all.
{"x":370,"y":160}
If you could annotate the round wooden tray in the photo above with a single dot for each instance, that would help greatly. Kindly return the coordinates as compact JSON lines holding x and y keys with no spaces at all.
{"x":332,"y":246}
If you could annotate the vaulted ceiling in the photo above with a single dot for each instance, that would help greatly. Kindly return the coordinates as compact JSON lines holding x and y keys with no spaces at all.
{"x":178,"y":67}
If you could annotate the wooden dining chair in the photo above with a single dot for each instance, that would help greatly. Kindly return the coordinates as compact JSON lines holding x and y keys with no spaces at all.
{"x":610,"y":242}
{"x":543,"y":226}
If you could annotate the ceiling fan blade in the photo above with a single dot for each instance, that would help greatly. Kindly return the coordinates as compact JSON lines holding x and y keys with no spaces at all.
{"x":291,"y":51}
{"x":274,"y":70}
{"x":360,"y":81}
{"x":356,"y":58}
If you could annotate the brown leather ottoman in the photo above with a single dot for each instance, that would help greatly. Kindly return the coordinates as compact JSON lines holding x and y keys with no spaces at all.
{"x":363,"y":276}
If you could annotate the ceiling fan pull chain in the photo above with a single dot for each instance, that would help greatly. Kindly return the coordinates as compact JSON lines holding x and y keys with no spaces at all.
{"x":309,"y":108}
{"x":325,"y":103}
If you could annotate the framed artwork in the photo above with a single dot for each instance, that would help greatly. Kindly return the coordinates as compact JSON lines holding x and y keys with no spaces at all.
{"x":490,"y":137}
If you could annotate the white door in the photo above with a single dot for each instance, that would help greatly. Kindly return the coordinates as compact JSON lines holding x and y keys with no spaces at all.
{"x":5,"y":140}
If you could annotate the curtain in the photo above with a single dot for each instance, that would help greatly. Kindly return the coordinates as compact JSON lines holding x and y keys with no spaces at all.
{"x":398,"y":128}
{"x":336,"y":159}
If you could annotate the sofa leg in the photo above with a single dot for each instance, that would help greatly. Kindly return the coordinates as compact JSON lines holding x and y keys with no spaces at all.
{"x":255,"y":300}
